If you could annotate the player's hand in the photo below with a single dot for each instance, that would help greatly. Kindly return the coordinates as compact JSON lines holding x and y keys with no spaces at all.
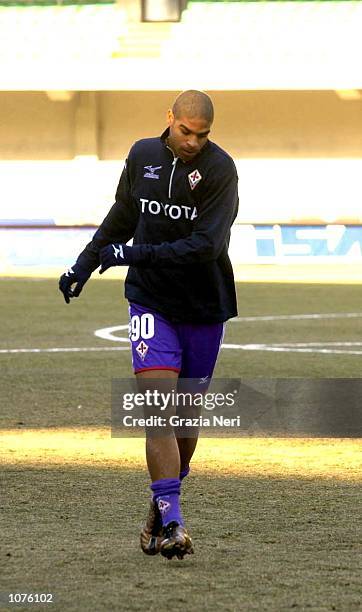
{"x":114,"y":255}
{"x":77,"y":275}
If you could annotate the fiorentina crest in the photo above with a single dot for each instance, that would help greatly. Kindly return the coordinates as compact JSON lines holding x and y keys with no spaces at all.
{"x":142,"y":349}
{"x":194,"y":178}
{"x":163,"y":506}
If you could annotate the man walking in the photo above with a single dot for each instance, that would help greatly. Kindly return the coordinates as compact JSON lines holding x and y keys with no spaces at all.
{"x":177,"y":198}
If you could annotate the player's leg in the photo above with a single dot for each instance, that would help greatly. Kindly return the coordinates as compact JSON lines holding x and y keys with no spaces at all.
{"x":156,"y":355}
{"x":200,"y":349}
{"x":187,"y":447}
{"x":157,"y":360}
{"x":163,"y":461}
{"x":162,"y":454}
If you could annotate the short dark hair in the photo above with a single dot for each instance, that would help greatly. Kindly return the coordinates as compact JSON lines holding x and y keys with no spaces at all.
{"x":193,"y":103}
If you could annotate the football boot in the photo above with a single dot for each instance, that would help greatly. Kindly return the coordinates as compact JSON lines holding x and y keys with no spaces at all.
{"x":152,"y":534}
{"x":176,"y":542}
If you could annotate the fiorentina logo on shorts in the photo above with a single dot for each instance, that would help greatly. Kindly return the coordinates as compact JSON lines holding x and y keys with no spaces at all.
{"x":194,"y":178}
{"x":142,"y":349}
{"x":163,"y":505}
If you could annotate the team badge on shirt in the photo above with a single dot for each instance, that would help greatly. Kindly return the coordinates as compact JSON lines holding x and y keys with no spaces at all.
{"x":194,"y":178}
{"x":142,"y":349}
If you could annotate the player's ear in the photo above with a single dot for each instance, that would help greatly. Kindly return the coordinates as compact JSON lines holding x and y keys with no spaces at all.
{"x":170,"y":117}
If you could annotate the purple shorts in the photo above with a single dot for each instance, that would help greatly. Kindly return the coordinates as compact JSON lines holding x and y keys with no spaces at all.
{"x":188,"y":348}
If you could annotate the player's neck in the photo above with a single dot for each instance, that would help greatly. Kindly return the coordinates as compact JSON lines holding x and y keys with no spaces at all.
{"x":169,"y":145}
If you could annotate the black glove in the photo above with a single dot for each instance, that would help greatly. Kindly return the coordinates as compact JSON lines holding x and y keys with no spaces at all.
{"x":76,"y":274}
{"x":115,"y":255}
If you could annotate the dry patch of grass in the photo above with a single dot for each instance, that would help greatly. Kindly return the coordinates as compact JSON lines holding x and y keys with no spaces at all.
{"x":320,"y":457}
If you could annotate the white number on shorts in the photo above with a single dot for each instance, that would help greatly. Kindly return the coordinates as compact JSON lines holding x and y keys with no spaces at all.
{"x":143,"y":326}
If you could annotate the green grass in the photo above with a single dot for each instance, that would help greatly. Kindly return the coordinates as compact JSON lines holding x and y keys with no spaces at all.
{"x":262,"y":544}
{"x":45,"y":388}
{"x":267,"y":537}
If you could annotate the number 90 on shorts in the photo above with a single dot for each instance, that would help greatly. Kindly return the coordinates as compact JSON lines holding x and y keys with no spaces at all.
{"x":154,"y":342}
{"x":142,"y":326}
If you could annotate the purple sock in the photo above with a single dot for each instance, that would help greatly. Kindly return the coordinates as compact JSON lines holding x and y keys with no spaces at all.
{"x":166,"y":492}
{"x":184,"y":473}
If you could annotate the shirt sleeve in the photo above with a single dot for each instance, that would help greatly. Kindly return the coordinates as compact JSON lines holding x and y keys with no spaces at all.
{"x":118,"y":226}
{"x":211,"y":230}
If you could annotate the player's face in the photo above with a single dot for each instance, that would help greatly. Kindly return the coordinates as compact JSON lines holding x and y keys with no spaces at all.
{"x":187,"y":136}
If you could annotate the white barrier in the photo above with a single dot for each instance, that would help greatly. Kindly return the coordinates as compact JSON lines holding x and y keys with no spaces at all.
{"x":54,"y":249}
{"x":298,"y":191}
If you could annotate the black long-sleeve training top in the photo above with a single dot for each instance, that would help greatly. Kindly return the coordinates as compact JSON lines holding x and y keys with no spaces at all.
{"x":179,"y":215}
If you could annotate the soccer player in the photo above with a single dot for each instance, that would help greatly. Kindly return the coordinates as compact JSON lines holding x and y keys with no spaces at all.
{"x":177,"y":198}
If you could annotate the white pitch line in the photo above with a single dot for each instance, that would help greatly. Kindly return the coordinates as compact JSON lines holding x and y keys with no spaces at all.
{"x":308,"y":344}
{"x":301,"y":347}
{"x":280,"y":349}
{"x":295,"y":347}
{"x":76,"y":349}
{"x":106,"y":333}
{"x":290,"y":348}
{"x":297,"y":317}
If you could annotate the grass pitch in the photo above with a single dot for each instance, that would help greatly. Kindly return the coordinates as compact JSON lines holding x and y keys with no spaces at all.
{"x":274,"y":521}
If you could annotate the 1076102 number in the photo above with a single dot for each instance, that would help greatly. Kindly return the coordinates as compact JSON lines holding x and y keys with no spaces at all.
{"x":18,"y":598}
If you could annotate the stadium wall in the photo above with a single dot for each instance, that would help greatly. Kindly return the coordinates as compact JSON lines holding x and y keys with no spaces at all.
{"x":248,"y":123}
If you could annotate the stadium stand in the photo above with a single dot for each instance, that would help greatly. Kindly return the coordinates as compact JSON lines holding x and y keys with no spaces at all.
{"x":60,"y":32}
{"x":143,"y":40}
{"x":223,"y":34}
